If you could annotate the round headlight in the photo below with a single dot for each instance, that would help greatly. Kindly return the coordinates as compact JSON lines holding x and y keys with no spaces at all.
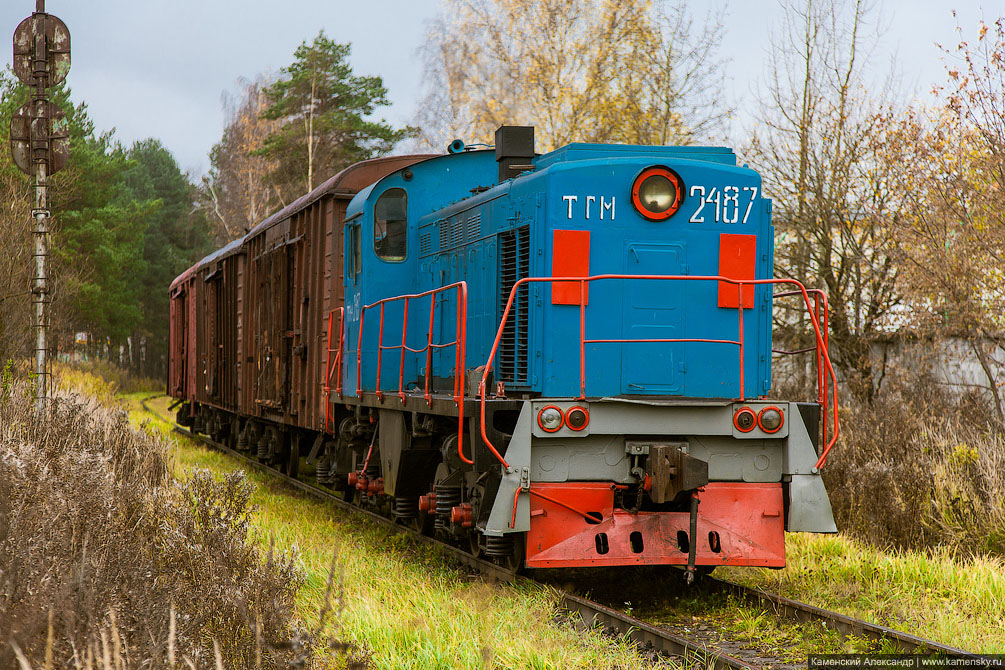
{"x":657,"y":193}
{"x":577,"y":418}
{"x":550,"y":419}
{"x":744,"y":420}
{"x":770,"y":419}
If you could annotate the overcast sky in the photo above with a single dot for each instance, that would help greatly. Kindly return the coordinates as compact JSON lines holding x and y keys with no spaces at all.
{"x":158,"y":68}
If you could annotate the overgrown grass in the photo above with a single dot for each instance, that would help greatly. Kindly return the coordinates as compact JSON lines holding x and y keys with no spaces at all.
{"x":102,"y":380}
{"x":917,"y":483}
{"x":952,"y":596}
{"x":403,"y":602}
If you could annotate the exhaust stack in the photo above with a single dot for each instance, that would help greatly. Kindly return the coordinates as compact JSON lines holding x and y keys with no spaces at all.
{"x":514,"y":150}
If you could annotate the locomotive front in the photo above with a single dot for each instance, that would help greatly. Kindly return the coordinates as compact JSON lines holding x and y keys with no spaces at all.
{"x":600,"y":317}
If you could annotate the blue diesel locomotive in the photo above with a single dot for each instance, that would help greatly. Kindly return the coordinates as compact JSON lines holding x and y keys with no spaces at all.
{"x":561,"y":360}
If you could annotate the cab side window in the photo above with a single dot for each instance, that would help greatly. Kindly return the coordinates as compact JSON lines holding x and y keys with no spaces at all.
{"x":354,"y":257}
{"x":390,"y":225}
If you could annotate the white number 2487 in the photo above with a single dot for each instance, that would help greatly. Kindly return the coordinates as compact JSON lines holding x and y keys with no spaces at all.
{"x":725,"y":203}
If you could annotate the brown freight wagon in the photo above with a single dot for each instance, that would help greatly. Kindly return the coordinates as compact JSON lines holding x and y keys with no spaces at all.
{"x":253,"y":335}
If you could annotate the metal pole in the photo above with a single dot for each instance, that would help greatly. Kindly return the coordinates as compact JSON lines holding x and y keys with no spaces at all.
{"x":40,"y":214}
{"x":41,"y":290}
{"x":39,"y":146}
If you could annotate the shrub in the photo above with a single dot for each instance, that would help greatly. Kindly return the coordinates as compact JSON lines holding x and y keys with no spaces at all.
{"x":104,"y":556}
{"x":918,"y":467}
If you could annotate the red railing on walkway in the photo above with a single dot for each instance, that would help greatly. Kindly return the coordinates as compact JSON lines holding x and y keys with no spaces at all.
{"x":333,"y":367}
{"x":458,"y":343}
{"x":821,"y":313}
{"x":822,"y":353}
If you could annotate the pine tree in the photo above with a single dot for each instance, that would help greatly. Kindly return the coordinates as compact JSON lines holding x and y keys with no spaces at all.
{"x":324,"y":110}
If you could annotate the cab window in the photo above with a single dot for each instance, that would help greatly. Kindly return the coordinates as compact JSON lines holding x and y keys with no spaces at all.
{"x":390,"y":225}
{"x":353,"y":258}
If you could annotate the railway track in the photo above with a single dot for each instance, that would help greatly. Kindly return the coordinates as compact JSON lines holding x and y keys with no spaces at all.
{"x":588,"y":613}
{"x":800,"y":612}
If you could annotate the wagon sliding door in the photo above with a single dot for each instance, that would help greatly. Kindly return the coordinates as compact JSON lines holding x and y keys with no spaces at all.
{"x":274,"y":341}
{"x":214,"y":301}
{"x":179,"y":344}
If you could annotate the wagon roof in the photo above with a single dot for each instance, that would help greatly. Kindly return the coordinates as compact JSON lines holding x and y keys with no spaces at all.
{"x":348,"y":182}
{"x":228,"y":250}
{"x":182,"y":277}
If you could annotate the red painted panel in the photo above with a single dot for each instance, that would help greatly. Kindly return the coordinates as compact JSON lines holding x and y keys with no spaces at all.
{"x":570,"y":258}
{"x":748,"y":519}
{"x":737,"y":260}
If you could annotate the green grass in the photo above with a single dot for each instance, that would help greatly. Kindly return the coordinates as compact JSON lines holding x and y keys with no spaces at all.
{"x":403,"y":602}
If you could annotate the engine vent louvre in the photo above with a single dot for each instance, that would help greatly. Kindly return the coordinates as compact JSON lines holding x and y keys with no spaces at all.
{"x":457,"y":231}
{"x":474,"y":227}
{"x":444,"y":225}
{"x":425,"y":244}
{"x":514,"y":264}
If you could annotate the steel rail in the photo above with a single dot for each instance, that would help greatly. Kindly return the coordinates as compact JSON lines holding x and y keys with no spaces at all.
{"x":646,"y":635}
{"x":591,"y":613}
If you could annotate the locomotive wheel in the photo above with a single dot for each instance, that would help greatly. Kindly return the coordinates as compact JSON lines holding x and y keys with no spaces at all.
{"x":514,"y":560}
{"x":475,"y":544}
{"x":423,"y":523}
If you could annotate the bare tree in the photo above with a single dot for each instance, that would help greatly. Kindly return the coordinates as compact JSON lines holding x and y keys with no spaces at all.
{"x":818,"y":145}
{"x":236,"y":194}
{"x":951,"y":159}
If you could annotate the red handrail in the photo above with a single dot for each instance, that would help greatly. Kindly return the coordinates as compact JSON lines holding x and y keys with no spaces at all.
{"x":333,"y":367}
{"x":823,"y":384}
{"x":740,"y":283}
{"x":459,"y":343}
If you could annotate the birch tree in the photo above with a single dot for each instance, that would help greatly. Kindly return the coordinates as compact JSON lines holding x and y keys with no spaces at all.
{"x":236,"y":193}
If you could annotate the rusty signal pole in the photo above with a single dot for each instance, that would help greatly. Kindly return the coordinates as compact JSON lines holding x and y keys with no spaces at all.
{"x":40,"y":146}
